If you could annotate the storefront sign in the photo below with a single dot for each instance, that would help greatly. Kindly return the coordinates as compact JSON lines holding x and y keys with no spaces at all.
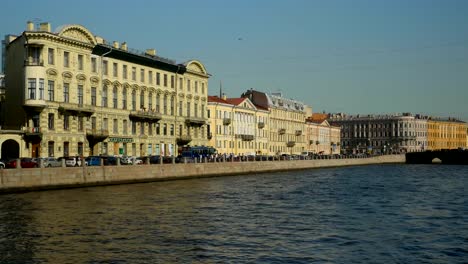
{"x":119,"y":139}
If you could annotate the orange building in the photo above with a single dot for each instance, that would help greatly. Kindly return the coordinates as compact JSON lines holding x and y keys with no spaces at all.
{"x":446,"y":134}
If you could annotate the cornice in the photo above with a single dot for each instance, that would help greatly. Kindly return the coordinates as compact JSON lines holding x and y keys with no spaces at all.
{"x":41,"y":35}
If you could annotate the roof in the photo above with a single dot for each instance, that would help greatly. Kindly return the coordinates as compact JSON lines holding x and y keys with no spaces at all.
{"x":317,"y":118}
{"x":216,"y":99}
{"x":235,"y":101}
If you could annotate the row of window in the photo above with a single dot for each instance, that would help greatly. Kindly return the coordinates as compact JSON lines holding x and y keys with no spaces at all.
{"x":240,"y":145}
{"x":158,"y":78}
{"x":288,"y":115}
{"x":387,"y":125}
{"x":36,"y":91}
{"x":159,"y":149}
{"x":158,"y":129}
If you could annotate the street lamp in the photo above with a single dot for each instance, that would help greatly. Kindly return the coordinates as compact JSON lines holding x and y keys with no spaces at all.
{"x":102,"y":89}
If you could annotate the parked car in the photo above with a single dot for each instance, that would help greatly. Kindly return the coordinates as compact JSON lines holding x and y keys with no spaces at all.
{"x":166,"y":159}
{"x":73,"y":161}
{"x":139,"y":160}
{"x":51,"y":162}
{"x":24,"y":162}
{"x":93,"y":161}
{"x":109,"y":160}
{"x":125,"y":160}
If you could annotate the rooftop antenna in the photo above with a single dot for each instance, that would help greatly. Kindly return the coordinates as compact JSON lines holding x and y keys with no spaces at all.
{"x":220,"y":89}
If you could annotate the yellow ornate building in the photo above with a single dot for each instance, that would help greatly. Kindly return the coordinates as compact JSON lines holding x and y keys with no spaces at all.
{"x":75,"y":94}
{"x":287,"y":121}
{"x":237,"y":126}
{"x":446,"y":134}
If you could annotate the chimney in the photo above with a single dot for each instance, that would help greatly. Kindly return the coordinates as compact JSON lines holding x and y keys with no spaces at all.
{"x":44,"y":27}
{"x":224,"y":96}
{"x":124,"y":46}
{"x":151,"y":52}
{"x":115,"y":44}
{"x":29,"y":26}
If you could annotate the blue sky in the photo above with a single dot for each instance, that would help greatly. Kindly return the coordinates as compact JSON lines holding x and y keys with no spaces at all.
{"x":355,"y":56}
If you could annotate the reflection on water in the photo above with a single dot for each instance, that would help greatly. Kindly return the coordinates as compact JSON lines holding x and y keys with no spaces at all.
{"x":377,"y":214}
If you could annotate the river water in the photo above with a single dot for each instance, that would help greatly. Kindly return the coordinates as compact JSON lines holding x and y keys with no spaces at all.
{"x":363,"y":214}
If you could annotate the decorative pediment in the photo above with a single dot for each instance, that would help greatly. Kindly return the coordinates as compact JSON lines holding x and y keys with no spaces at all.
{"x":116,"y":83}
{"x":135,"y":87}
{"x":203,"y":99}
{"x":159,"y":91}
{"x":196,"y":97}
{"x":143,"y":88}
{"x":151,"y":90}
{"x":189,"y":96}
{"x":173,"y":93}
{"x":196,"y":67}
{"x":107,"y":82}
{"x":52,"y":73}
{"x":78,"y":33}
{"x":126,"y":85}
{"x":248,"y":104}
{"x":182,"y":95}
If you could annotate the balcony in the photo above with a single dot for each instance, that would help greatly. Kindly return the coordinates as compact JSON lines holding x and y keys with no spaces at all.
{"x":35,"y":104}
{"x":97,"y":135}
{"x":245,"y":137}
{"x":406,"y":138}
{"x":290,"y":144}
{"x":261,"y":125}
{"x":282,"y":131}
{"x":226,"y":121}
{"x":298,"y":132}
{"x":32,"y":133}
{"x":145,"y":116}
{"x":195,"y":121}
{"x":33,"y":62}
{"x":183,"y":140}
{"x":75,"y":109}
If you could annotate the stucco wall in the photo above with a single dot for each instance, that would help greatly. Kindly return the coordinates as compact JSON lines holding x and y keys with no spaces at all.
{"x":46,"y":178}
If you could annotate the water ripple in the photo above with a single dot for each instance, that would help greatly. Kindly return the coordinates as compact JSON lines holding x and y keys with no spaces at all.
{"x":366,"y":214}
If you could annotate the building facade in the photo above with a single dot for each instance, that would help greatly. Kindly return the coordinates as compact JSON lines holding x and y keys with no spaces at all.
{"x":381,"y":133}
{"x":287,"y":121}
{"x":237,"y":126}
{"x":73,"y":93}
{"x":446,"y":134}
{"x":321,"y":137}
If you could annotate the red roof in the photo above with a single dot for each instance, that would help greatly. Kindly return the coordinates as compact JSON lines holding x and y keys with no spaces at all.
{"x":216,"y":99}
{"x":317,"y":118}
{"x":235,"y":101}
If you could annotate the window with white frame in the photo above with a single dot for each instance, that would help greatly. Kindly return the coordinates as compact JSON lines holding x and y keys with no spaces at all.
{"x":51,"y":88}
{"x":32,"y":88}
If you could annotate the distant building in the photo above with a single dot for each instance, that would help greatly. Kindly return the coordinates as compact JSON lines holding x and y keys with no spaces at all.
{"x":287,"y":121}
{"x":237,"y":126}
{"x":382,"y":133}
{"x":447,"y":133}
{"x":73,"y":93}
{"x":321,"y":137}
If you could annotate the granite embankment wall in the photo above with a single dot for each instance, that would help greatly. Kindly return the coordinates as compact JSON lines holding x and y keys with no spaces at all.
{"x":14,"y":180}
